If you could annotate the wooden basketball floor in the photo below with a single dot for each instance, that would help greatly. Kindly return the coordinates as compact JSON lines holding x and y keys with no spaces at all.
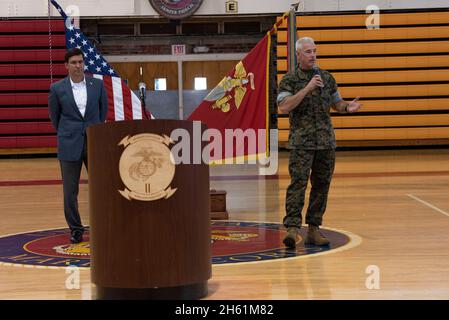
{"x":396,"y":201}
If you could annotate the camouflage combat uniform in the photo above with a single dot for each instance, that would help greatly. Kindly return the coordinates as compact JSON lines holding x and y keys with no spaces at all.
{"x":312,"y":146}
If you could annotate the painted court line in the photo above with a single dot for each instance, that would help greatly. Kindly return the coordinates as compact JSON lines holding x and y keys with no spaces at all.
{"x":428,"y":204}
{"x":21,"y":183}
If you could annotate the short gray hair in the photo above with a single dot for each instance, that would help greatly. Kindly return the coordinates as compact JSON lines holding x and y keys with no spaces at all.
{"x":303,"y":40}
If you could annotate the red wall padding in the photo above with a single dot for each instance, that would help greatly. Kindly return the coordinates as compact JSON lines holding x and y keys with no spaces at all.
{"x":31,"y":26}
{"x":12,"y":99}
{"x":23,"y":113}
{"x":31,"y":41}
{"x":28,"y":142}
{"x":13,"y":70}
{"x":31,"y":55}
{"x":24,"y":84}
{"x":25,"y":81}
{"x":26,"y":127}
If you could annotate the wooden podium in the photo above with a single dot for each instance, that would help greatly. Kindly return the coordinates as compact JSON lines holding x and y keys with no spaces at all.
{"x":149,"y":219}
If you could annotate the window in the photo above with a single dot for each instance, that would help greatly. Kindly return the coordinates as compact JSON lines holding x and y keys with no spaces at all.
{"x":240,"y":27}
{"x":157,"y":28}
{"x":160,"y":84}
{"x":199,"y":28}
{"x":200,"y":83}
{"x":116,"y":29}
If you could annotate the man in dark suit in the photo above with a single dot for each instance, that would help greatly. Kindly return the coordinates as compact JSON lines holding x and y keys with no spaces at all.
{"x":75,"y":103}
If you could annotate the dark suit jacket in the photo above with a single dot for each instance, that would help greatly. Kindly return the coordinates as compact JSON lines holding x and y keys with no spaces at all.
{"x":67,"y":119}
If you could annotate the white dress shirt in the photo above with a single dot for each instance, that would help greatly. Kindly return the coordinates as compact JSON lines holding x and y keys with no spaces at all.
{"x":80,"y":94}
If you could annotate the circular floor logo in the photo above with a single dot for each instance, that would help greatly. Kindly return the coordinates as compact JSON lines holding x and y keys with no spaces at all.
{"x":176,"y":9}
{"x":231,"y":242}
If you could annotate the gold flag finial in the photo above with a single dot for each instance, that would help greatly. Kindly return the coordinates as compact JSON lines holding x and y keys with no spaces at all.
{"x":295,"y":5}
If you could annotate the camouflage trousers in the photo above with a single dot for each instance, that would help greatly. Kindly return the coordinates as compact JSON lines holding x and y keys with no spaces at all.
{"x":319,"y":165}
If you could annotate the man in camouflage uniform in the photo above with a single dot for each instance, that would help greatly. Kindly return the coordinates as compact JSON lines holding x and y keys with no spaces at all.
{"x":307,"y":96}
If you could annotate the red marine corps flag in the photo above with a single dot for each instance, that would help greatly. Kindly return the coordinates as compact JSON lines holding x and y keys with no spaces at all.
{"x":238,"y":108}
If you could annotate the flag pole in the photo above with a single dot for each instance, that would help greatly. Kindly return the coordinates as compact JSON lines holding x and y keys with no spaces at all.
{"x":291,"y":34}
{"x":50,"y":41}
{"x":291,"y":38}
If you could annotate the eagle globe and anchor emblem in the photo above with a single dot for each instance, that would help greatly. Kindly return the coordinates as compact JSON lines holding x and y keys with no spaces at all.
{"x":147,"y":167}
{"x":176,"y":9}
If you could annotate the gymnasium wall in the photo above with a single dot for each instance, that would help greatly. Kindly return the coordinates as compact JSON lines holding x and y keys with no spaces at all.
{"x":110,"y":8}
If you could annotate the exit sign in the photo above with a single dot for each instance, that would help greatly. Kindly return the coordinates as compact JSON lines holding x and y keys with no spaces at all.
{"x":178,"y":49}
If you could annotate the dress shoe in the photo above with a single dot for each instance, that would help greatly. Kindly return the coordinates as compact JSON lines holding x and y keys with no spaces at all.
{"x":76,"y":237}
{"x":315,"y":237}
{"x":292,"y":237}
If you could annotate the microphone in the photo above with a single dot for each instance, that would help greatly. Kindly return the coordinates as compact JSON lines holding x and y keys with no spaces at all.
{"x":142,"y":90}
{"x":316,"y":71}
{"x":143,"y":94}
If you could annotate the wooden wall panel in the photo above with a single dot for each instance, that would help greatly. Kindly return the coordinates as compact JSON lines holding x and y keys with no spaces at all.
{"x":151,"y":71}
{"x":365,"y":34}
{"x":378,"y":48}
{"x":193,"y":69}
{"x":399,"y":134}
{"x":387,"y":76}
{"x":417,"y":120}
{"x":378,"y":63}
{"x":357,"y":20}
{"x":404,"y":105}
{"x":214,"y":71}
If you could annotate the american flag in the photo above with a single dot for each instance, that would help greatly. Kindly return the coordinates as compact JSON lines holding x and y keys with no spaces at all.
{"x":123,"y":104}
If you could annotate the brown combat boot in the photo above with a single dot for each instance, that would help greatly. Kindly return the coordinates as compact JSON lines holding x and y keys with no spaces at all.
{"x":315,"y":237}
{"x":292,"y":237}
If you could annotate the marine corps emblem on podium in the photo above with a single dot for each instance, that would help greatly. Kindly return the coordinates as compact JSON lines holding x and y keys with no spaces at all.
{"x":146,"y":167}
